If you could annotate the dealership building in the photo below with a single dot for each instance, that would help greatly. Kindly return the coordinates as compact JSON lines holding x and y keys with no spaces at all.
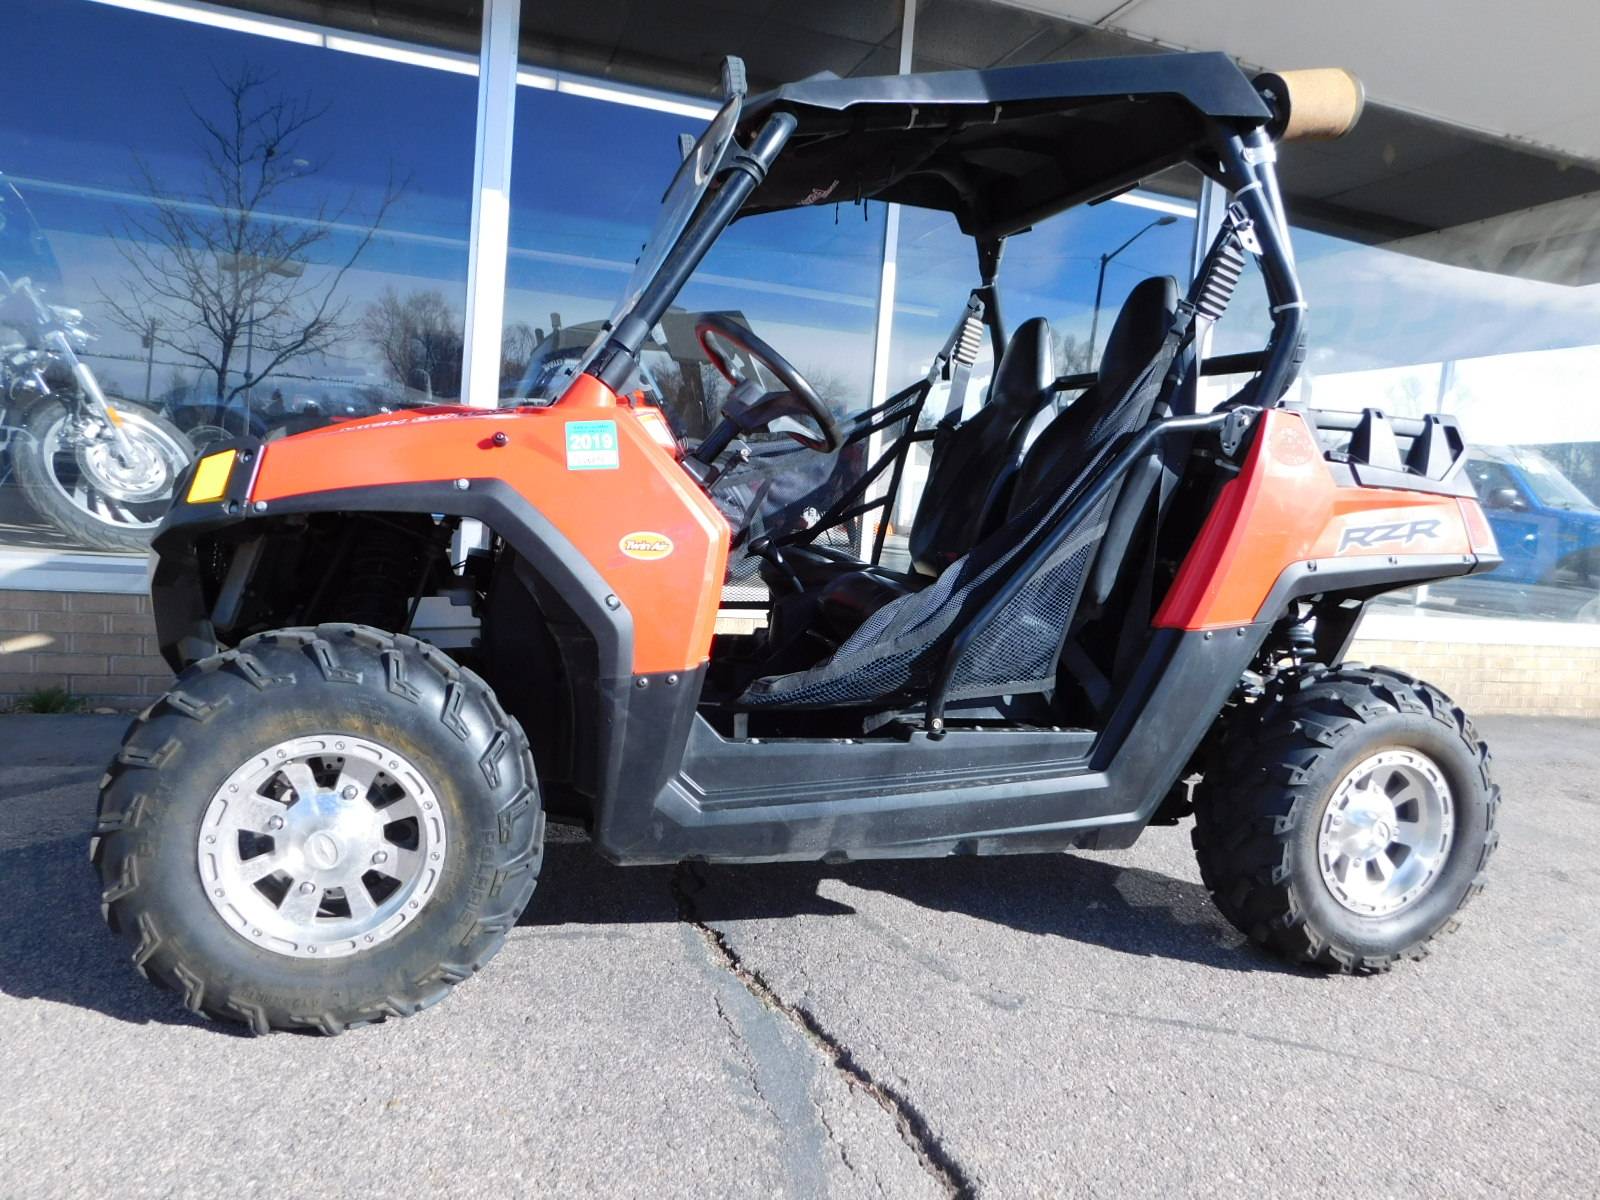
{"x":281,"y":213}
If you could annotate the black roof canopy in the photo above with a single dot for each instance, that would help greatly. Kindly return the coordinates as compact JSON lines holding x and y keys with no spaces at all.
{"x":1000,"y":148}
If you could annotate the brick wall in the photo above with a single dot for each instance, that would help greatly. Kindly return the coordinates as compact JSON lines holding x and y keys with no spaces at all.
{"x":100,"y":647}
{"x":1487,"y":678}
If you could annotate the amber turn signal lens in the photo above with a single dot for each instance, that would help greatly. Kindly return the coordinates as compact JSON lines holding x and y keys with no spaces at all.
{"x":210,"y":480}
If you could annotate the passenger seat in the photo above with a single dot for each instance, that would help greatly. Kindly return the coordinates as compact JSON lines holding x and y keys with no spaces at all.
{"x":1061,"y":452}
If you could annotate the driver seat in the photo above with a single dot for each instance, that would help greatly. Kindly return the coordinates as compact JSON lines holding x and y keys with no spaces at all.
{"x":974,"y":465}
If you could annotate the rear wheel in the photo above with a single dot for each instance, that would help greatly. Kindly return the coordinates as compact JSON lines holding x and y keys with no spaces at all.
{"x":1346,"y":819}
{"x":322,"y":828}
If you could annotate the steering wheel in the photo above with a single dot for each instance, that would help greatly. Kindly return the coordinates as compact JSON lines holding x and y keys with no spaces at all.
{"x":714,"y":327}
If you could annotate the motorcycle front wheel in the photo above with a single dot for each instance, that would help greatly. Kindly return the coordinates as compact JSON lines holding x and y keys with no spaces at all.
{"x":100,"y":495}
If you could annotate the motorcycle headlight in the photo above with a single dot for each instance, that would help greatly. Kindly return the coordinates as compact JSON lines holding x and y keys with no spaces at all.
{"x":81,"y":331}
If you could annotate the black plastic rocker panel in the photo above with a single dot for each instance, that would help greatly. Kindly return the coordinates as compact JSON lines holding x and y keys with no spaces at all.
{"x":685,"y":792}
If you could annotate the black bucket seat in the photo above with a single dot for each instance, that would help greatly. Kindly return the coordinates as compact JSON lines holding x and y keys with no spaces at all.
{"x":1057,"y":457}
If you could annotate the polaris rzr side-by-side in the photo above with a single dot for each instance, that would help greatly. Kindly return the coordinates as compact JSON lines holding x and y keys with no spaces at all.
{"x":1118,"y":610}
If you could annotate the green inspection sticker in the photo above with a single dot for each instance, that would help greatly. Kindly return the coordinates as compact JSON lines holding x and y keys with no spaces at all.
{"x":592,"y":446}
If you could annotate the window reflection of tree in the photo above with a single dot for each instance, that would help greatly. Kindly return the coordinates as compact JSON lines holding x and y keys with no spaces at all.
{"x":221,"y":276}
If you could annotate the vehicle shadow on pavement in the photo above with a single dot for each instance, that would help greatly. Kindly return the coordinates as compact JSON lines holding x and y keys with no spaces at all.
{"x":54,"y":945}
{"x":1089,"y":900}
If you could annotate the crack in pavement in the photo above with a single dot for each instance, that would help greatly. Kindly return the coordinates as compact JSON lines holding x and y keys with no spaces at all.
{"x":912,"y":1126}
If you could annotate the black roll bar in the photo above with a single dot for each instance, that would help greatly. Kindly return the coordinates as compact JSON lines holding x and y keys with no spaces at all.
{"x":1246,"y":169}
{"x":745,"y":169}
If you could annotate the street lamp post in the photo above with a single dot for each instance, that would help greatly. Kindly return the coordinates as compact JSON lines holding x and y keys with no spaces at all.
{"x":1100,"y":283}
{"x":152,"y":326}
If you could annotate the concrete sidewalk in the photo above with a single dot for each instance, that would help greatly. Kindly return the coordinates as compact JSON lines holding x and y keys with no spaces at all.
{"x":1077,"y":1024}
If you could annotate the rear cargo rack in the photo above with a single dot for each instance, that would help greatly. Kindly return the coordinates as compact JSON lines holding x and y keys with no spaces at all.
{"x":1411,"y":453}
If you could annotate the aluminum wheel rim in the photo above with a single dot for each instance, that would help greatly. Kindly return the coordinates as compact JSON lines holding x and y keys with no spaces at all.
{"x":133,"y":496}
{"x":322,"y":846}
{"x":1385,"y":834}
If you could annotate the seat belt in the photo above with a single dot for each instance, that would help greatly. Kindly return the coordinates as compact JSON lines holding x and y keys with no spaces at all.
{"x":960,"y":353}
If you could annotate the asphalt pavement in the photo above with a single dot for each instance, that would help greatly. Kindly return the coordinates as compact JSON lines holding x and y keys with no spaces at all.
{"x":1063,"y":1025}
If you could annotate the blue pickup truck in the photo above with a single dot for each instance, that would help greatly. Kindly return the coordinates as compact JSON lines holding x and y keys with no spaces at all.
{"x":1549,"y":535}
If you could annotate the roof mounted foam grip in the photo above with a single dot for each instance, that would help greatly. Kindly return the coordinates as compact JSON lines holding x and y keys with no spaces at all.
{"x":1312,"y":105}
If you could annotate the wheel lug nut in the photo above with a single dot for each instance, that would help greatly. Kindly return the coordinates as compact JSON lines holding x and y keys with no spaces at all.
{"x":380,"y":857}
{"x":349,"y":792}
{"x":275,"y":824}
{"x":307,"y":888}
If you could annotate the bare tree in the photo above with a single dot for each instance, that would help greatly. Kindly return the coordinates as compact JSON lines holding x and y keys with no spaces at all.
{"x":517,"y":344}
{"x":834,"y":389}
{"x":1072,"y":356}
{"x":419,"y":337}
{"x":223,"y":278}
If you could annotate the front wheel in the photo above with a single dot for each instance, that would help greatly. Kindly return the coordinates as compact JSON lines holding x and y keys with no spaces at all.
{"x":103,"y":493}
{"x":320,"y":829}
{"x":1346,"y":818}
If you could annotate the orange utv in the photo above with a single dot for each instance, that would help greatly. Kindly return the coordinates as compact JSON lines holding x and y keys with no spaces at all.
{"x":1112,"y":609}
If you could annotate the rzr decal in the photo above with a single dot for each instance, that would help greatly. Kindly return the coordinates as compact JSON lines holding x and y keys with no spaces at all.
{"x":1393,"y":533}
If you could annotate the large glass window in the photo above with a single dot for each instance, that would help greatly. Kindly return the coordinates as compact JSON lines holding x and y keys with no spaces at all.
{"x":239,"y":227}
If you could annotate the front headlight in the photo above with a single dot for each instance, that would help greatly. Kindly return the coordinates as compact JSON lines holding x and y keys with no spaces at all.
{"x":80,"y":330}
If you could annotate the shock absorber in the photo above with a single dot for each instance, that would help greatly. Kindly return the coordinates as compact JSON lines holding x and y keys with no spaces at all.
{"x":381,"y":577}
{"x":1222,"y":267}
{"x":1302,"y":640}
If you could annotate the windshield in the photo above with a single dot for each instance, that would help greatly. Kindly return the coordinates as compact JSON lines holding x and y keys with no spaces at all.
{"x":547,"y":379}
{"x":24,"y":253}
{"x":1549,"y":484}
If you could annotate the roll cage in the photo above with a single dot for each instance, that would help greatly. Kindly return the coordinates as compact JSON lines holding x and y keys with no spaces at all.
{"x":999,"y":150}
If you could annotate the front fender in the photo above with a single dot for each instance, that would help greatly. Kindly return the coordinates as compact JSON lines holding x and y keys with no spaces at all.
{"x":623,"y":534}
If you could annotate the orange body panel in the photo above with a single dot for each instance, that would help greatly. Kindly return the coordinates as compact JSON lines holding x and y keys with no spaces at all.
{"x":1284,"y":507}
{"x":643,"y":524}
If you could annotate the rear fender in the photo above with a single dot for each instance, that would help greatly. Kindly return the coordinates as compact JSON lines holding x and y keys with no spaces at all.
{"x":1286,"y":528}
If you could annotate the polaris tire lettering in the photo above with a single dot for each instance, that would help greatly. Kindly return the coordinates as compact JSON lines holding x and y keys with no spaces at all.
{"x":1394,"y":533}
